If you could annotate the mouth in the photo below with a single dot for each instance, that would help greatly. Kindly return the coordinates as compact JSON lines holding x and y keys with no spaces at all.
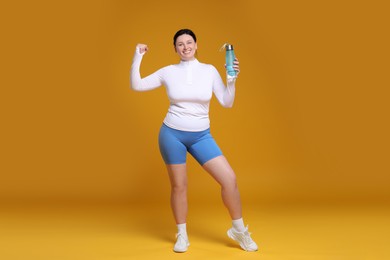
{"x":187,"y":52}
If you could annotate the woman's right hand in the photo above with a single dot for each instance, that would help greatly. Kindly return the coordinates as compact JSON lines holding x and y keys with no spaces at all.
{"x":142,"y":48}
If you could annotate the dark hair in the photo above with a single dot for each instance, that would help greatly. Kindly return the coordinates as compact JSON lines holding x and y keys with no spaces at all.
{"x":181,"y":32}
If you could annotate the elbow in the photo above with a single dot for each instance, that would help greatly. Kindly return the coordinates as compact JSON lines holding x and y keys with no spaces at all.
{"x":135,"y":83}
{"x":228,"y":102}
{"x":228,"y":105}
{"x":134,"y":86}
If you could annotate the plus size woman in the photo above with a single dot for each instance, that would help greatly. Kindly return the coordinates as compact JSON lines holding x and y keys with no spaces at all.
{"x":190,"y":85}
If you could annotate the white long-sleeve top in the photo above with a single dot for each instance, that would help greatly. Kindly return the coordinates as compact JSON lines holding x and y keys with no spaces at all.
{"x":189,"y":86}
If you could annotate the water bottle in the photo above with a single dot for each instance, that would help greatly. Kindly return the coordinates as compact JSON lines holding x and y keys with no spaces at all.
{"x":229,"y":60}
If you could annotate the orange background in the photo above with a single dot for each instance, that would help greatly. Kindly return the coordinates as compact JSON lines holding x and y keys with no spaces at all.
{"x":309,"y":124}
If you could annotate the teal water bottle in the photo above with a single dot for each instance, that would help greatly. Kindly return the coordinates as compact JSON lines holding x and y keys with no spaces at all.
{"x":230,"y":59}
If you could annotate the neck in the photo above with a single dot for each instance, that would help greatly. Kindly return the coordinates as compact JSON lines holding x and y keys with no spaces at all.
{"x":192,"y":59}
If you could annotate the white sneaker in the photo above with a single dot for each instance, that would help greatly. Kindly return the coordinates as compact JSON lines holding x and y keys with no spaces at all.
{"x":243,"y":238}
{"x":182,"y":243}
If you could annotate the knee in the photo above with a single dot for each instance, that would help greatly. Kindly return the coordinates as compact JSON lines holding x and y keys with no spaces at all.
{"x":230,"y":181}
{"x":179,"y":188}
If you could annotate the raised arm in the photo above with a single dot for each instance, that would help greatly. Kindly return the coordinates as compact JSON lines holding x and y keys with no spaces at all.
{"x":143,"y":84}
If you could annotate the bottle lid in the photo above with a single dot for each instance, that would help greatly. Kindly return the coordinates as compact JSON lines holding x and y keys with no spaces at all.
{"x":226,"y":46}
{"x":229,"y":47}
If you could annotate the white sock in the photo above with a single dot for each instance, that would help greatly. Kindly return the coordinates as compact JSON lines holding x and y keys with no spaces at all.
{"x":182,"y":229}
{"x":238,"y":224}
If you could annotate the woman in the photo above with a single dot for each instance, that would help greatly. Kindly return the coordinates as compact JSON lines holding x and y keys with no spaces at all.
{"x":190,"y":85}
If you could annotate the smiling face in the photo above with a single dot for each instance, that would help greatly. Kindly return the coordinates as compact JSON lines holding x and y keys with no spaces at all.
{"x":186,"y":47}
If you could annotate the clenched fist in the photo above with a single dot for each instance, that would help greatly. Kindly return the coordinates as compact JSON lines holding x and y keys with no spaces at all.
{"x":142,"y":48}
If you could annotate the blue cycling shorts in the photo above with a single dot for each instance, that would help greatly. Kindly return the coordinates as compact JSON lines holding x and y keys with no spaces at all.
{"x":174,"y":145}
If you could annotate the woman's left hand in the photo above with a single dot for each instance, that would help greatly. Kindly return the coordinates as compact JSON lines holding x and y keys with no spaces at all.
{"x":236,"y":66}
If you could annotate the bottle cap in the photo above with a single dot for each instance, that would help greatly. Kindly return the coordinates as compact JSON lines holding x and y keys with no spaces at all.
{"x":229,"y":47}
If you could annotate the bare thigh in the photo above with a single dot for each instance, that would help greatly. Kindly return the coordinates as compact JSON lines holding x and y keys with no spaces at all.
{"x":177,"y":175}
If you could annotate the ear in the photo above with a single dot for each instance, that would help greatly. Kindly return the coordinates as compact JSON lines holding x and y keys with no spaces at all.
{"x":196,"y":45}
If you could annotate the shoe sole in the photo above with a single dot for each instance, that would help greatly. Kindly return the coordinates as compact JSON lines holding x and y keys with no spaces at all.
{"x":231,"y":235}
{"x":181,"y":251}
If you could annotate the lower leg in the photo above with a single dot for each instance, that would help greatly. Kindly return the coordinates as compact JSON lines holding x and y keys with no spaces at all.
{"x":178,"y":179}
{"x":179,"y":204}
{"x":232,"y":201}
{"x":220,"y":170}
